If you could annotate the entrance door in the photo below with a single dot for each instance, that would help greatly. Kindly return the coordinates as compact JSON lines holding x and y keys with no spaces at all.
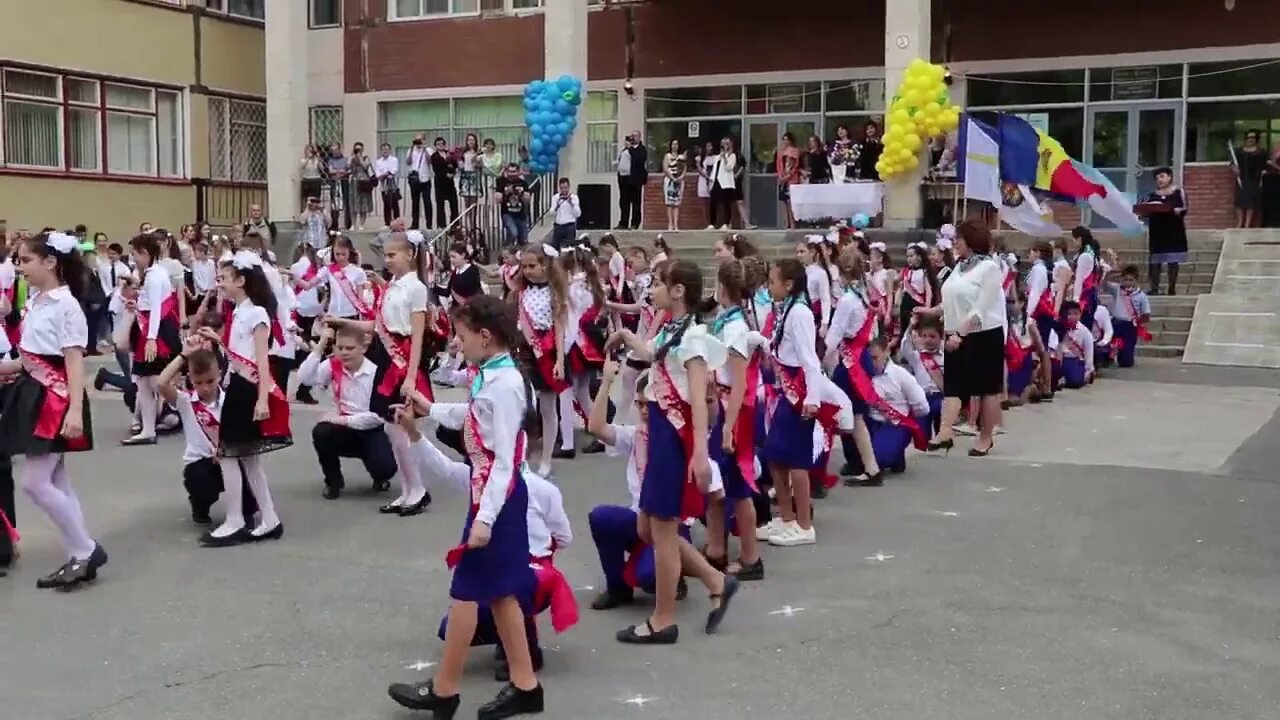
{"x":1130,"y":142}
{"x":763,"y":139}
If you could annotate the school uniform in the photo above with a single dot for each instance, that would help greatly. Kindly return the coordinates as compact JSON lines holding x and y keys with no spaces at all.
{"x":739,"y":469}
{"x":306,"y":296}
{"x":491,"y":428}
{"x":358,"y":432}
{"x":1127,"y":317}
{"x":1075,"y":355}
{"x":797,"y":380}
{"x":537,"y":319}
{"x":392,"y":344}
{"x":201,"y":472}
{"x":584,"y":337}
{"x":895,"y":418}
{"x":8,"y":288}
{"x":1104,"y":349}
{"x":877,"y":286}
{"x":156,"y":319}
{"x":628,"y":561}
{"x":109,"y":274}
{"x":464,"y":283}
{"x":852,"y":327}
{"x":241,"y":435}
{"x":1085,"y":285}
{"x":345,"y":283}
{"x":1040,"y":303}
{"x":284,"y":344}
{"x":1020,"y":361}
{"x":204,"y":280}
{"x":915,"y":284}
{"x":926,"y":367}
{"x":818,"y":288}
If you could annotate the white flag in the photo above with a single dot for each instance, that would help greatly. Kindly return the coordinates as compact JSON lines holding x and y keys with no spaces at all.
{"x":1016,"y":204}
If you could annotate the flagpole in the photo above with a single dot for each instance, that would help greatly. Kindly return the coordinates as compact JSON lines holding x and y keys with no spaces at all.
{"x":1235,"y":163}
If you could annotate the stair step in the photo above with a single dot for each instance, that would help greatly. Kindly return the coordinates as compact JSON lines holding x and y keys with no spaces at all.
{"x":1163,"y":324}
{"x":1173,"y":338}
{"x":1160,"y":351}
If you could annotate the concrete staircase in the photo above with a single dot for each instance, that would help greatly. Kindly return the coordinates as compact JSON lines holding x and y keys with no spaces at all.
{"x":1171,"y":315}
{"x":1237,"y":322}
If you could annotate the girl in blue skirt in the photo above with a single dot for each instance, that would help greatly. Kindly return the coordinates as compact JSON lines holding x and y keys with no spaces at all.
{"x":491,"y":566}
{"x":853,"y":325}
{"x":678,"y":467}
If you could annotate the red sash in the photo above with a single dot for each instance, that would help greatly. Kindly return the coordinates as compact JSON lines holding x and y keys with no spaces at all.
{"x":7,"y":526}
{"x":277,"y":422}
{"x":680,"y":414}
{"x":399,"y":348}
{"x":930,"y":362}
{"x":851,"y":355}
{"x":592,"y":353}
{"x":168,"y":309}
{"x":554,"y":593}
{"x":1044,"y":308}
{"x":481,"y":466}
{"x":1014,"y":354}
{"x":1143,"y":334}
{"x":1008,"y":278}
{"x":910,"y":290}
{"x":338,"y":376}
{"x":57,"y":400}
{"x":918,"y":436}
{"x":228,"y":310}
{"x":1070,"y":342}
{"x":543,"y":344}
{"x":792,"y":387}
{"x":209,"y":425}
{"x":313,"y":269}
{"x":349,"y":291}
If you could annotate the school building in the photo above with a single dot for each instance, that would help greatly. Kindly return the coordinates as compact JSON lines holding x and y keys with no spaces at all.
{"x":116,"y":112}
{"x":1124,"y":86}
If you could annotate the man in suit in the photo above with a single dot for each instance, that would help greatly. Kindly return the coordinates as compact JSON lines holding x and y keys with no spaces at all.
{"x":633,"y":173}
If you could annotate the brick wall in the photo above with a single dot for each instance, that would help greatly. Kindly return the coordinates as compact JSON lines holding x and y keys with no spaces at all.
{"x":1211,"y":193}
{"x":693,"y":213}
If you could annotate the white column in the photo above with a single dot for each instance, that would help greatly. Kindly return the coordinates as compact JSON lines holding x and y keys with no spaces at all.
{"x":565,"y":53}
{"x":287,"y":121}
{"x":907,"y":35}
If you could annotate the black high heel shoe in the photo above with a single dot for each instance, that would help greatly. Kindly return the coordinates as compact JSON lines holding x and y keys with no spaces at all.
{"x":975,"y":452}
{"x":416,"y":508}
{"x":941,"y":445}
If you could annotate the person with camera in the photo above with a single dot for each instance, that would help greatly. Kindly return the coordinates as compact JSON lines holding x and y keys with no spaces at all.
{"x":362,"y":174}
{"x":386,"y":170}
{"x":513,"y":195}
{"x":566,"y":210}
{"x":314,"y":222}
{"x":312,"y":174}
{"x":418,"y":164}
{"x":338,"y":170}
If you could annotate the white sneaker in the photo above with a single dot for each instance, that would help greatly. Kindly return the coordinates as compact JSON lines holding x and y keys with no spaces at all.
{"x":764,"y":532}
{"x":793,"y":535}
{"x":963,"y":428}
{"x":724,"y":227}
{"x":711,"y":227}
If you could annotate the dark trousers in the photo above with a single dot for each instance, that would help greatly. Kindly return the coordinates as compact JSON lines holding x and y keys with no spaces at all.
{"x":204,"y":482}
{"x":564,"y":235}
{"x":8,"y":509}
{"x":390,"y":207}
{"x":722,"y":200}
{"x":343,"y":186}
{"x":446,"y":194}
{"x":419,"y":200}
{"x":452,"y":439}
{"x":94,"y":316}
{"x":630,"y":200}
{"x":334,"y":442}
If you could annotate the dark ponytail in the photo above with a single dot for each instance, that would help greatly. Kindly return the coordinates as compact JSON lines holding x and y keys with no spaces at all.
{"x":257,"y":288}
{"x":792,"y":272}
{"x":70,"y":269}
{"x":685,"y":273}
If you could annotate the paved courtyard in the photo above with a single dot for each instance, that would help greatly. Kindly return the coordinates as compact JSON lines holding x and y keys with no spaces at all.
{"x":1117,"y":557}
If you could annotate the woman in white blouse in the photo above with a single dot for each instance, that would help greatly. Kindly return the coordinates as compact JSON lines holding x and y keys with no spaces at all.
{"x":973,"y":313}
{"x":724,"y":184}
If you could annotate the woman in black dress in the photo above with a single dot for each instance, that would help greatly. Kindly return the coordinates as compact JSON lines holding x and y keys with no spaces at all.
{"x":816,"y":167}
{"x":1166,"y":231}
{"x":1249,"y":162}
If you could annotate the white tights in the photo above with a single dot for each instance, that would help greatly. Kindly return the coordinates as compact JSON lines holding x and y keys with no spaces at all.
{"x":411,"y":485}
{"x":148,"y":404}
{"x":580,"y":392}
{"x":45,"y":481}
{"x":547,"y":407}
{"x":233,"y":495}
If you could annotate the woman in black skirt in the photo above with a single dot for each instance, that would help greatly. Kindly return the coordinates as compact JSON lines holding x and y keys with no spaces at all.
{"x":46,"y":410}
{"x":255,"y":413}
{"x":1167,"y":231}
{"x":973,"y":312}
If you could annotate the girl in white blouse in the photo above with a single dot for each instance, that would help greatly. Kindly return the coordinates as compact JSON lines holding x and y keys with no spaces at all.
{"x":255,"y":413}
{"x":584,"y":336}
{"x":491,"y":567}
{"x":543,"y":310}
{"x":678,"y":464}
{"x":916,"y":285}
{"x":880,"y":288}
{"x":46,"y":409}
{"x":154,"y":334}
{"x":817,"y":280}
{"x":399,"y":328}
{"x":852,"y":328}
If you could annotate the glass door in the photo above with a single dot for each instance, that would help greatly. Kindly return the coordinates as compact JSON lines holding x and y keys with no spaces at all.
{"x":1128,"y":143}
{"x":764,"y":137}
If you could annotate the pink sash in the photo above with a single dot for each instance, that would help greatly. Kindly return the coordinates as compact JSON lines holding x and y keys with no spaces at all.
{"x":349,"y":291}
{"x":57,"y":400}
{"x":338,"y":376}
{"x":680,"y":414}
{"x":277,"y":422}
{"x":209,"y":425}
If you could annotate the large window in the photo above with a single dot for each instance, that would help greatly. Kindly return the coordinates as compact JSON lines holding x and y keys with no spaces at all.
{"x":601,"y":113}
{"x":82,"y":125}
{"x":1028,"y":88}
{"x":1212,"y":128}
{"x":413,"y":9}
{"x":238,"y":140}
{"x":253,"y":9}
{"x":325,"y":13}
{"x":1225,"y":79}
{"x":500,"y":119}
{"x":326,"y":125}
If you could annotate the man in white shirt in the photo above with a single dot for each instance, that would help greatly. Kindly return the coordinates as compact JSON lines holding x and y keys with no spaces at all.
{"x":566,"y":210}
{"x":418,"y":169}
{"x":350,"y":431}
{"x":386,"y":170}
{"x":633,"y":173}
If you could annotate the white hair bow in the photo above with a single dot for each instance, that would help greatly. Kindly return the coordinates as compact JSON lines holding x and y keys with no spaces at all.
{"x":584,"y":247}
{"x":944,"y":243}
{"x":245,"y":260}
{"x":922,"y":245}
{"x":878,"y":246}
{"x":414,"y":237}
{"x":218,"y":238}
{"x":833,"y":237}
{"x":568,"y":250}
{"x":947,"y":231}
{"x":814,"y":239}
{"x":549,"y":250}
{"x":334,"y":233}
{"x":859,"y":235}
{"x":62,"y":243}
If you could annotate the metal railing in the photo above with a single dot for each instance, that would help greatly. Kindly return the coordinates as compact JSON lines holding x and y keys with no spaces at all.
{"x":224,"y":203}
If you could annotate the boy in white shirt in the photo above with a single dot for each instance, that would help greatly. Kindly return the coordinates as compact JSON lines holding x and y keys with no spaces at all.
{"x":351,"y":431}
{"x":922,"y":352}
{"x":897,"y":416}
{"x":201,"y":410}
{"x":1074,"y":353}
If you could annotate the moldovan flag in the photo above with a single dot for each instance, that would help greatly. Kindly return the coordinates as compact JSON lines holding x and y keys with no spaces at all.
{"x":978,"y":165}
{"x":1030,"y":157}
{"x":1111,"y":204}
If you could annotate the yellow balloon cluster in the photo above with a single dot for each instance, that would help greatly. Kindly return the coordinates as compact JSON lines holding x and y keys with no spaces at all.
{"x":921,"y":109}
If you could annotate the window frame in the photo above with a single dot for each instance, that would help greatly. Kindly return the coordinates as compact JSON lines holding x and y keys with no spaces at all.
{"x":220,"y":7}
{"x":311,"y":16}
{"x":393,"y":12}
{"x":225,"y":147}
{"x":101,"y":109}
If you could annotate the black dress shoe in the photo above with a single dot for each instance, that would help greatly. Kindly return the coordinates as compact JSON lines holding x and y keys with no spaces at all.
{"x":668,"y":635}
{"x":238,"y":537}
{"x":562,"y":454}
{"x":594,"y":448}
{"x":608,"y":601}
{"x":511,"y":701}
{"x":850,"y":469}
{"x":274,"y":533}
{"x":876,"y":480}
{"x":100,"y":379}
{"x":79,"y":571}
{"x":53,"y":579}
{"x":682,"y":589}
{"x":303,"y":395}
{"x":417,"y":508}
{"x":331,"y":492}
{"x":381,"y":486}
{"x":714,"y":617}
{"x":817,"y":490}
{"x":422,"y":696}
{"x":391,"y":508}
{"x":752,"y":572}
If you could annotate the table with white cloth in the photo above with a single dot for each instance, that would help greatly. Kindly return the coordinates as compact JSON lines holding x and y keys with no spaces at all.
{"x":837,"y":200}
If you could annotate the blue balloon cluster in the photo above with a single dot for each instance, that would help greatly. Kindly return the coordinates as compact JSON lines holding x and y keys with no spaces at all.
{"x":551,"y":114}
